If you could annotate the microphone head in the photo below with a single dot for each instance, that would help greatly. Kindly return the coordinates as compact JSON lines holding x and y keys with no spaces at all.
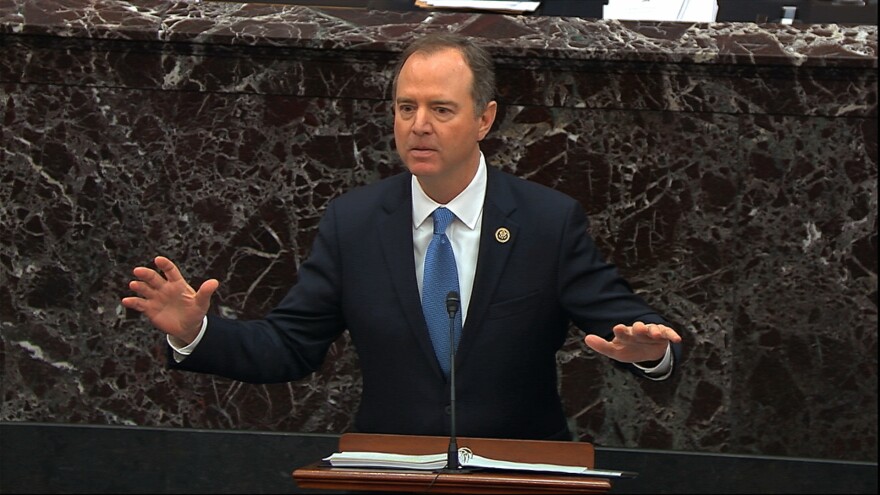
{"x":452,"y":303}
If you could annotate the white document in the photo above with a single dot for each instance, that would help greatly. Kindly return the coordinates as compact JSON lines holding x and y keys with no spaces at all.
{"x":466,"y":458}
{"x":661,"y":10}
{"x":491,"y":5}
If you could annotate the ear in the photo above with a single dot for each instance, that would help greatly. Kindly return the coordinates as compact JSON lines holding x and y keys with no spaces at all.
{"x":487,"y":118}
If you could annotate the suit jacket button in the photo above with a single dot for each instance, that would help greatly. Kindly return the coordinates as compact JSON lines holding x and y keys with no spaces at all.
{"x":448,"y":410}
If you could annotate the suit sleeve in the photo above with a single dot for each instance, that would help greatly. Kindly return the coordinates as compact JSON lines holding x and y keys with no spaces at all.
{"x":292,"y":340}
{"x":592,"y":290}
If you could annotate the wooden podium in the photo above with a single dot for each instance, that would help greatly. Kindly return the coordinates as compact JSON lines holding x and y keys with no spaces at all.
{"x":320,"y":476}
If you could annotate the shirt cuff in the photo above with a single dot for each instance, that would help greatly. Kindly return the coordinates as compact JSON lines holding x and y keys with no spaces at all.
{"x":663,"y":368}
{"x":181,"y":351}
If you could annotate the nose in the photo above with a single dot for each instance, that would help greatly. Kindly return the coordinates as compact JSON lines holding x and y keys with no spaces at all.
{"x":422,"y":121}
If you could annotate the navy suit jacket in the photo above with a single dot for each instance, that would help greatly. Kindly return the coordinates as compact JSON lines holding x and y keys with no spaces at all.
{"x":360,"y":277}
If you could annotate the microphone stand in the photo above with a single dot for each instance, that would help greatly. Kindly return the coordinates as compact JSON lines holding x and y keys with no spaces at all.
{"x":452,"y":304}
{"x":452,"y":463}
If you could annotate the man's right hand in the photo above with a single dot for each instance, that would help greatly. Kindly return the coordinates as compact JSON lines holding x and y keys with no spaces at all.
{"x":168,"y":301}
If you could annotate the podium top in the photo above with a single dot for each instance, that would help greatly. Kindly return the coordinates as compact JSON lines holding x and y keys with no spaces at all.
{"x":386,"y":480}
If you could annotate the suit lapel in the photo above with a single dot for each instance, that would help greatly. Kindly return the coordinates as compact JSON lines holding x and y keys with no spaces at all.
{"x":494,"y":254}
{"x":397,"y":246}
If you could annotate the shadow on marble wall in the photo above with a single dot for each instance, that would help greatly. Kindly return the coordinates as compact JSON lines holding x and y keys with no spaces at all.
{"x":739,"y":197}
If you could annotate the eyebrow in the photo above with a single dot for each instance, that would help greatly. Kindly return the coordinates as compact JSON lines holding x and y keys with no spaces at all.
{"x":446,"y":103}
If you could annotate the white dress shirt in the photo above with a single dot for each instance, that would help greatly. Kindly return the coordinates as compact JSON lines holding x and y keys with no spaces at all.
{"x":463,"y":232}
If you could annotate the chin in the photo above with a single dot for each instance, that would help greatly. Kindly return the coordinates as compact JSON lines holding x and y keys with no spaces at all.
{"x":423,"y":169}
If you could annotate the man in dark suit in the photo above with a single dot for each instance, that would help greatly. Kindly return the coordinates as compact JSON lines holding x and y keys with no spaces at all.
{"x":523,"y":267}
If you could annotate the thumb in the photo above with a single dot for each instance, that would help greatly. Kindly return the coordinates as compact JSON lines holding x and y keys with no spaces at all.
{"x":206,"y":290}
{"x":598,"y":344}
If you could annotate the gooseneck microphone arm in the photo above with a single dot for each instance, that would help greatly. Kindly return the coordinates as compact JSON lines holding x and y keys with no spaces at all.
{"x":453,"y":302}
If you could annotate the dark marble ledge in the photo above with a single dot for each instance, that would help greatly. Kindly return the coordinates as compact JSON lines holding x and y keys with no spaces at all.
{"x":226,"y":23}
{"x":131,"y":65}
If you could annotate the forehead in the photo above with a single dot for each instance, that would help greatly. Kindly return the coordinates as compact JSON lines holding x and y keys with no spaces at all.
{"x":438,"y":55}
{"x":444,"y":69}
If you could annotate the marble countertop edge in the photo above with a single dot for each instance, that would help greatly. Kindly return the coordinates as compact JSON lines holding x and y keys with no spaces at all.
{"x":297,"y":27}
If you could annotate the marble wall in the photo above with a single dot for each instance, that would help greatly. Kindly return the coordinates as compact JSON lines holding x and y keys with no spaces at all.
{"x":730,"y":171}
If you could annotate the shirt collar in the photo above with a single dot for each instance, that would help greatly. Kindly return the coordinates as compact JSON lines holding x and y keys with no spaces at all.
{"x":467,"y":206}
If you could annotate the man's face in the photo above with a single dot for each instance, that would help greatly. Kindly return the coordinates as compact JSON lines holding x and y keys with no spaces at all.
{"x":435,"y":126}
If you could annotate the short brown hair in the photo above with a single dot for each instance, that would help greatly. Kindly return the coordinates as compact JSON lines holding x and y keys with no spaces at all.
{"x":475,"y":56}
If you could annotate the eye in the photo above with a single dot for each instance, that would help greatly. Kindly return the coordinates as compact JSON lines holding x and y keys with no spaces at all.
{"x":444,"y":112}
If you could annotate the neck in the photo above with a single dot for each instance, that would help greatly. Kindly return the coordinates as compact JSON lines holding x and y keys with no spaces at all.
{"x":445,"y":188}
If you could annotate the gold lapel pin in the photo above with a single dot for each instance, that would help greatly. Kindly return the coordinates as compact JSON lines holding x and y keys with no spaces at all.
{"x":502,"y":235}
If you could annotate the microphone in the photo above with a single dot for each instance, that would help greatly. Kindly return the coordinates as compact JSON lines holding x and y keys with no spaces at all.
{"x":453,"y":302}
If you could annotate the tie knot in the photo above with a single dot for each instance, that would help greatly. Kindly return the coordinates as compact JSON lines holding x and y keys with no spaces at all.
{"x":442,"y":218}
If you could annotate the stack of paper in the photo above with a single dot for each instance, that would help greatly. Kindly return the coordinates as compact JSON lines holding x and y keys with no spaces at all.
{"x":466,"y":458}
{"x":661,"y":10}
{"x":427,"y":462}
{"x":504,"y":6}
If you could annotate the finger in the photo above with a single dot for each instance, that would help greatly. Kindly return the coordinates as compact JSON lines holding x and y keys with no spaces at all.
{"x":169,"y":269}
{"x":636,"y":331}
{"x":671,"y":334}
{"x":135,"y":303}
{"x":653,"y":331}
{"x":662,"y":332}
{"x":621,"y":330}
{"x":142,"y":289}
{"x":149,"y":276}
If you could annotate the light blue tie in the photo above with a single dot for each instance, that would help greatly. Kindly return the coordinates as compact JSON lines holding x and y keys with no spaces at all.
{"x":440,"y":277}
